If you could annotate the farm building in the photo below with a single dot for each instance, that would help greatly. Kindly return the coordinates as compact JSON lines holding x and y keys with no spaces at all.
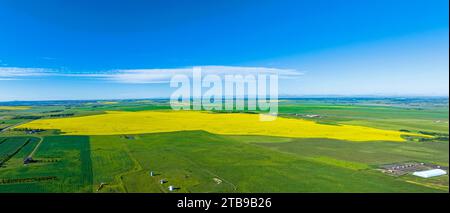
{"x":430,"y":173}
{"x":398,"y":169}
{"x":28,"y":160}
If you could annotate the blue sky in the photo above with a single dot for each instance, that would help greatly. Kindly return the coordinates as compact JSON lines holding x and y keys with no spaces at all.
{"x":70,"y":49}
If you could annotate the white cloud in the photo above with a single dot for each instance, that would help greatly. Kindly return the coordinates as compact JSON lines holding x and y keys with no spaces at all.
{"x":145,"y":76}
{"x":163,"y":75}
{"x":15,"y":73}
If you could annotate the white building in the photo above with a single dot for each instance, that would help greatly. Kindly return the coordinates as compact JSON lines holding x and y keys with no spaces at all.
{"x":430,"y":173}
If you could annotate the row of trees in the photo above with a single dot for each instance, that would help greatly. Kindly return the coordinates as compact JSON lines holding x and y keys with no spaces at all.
{"x":27,"y":180}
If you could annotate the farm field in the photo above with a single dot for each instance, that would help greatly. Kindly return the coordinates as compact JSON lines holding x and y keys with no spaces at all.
{"x":63,"y":165}
{"x":194,"y":161}
{"x":14,"y":107}
{"x":113,"y":123}
{"x":316,"y":145}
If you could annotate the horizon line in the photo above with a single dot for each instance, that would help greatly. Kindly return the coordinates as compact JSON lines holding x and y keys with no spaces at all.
{"x":280,"y":97}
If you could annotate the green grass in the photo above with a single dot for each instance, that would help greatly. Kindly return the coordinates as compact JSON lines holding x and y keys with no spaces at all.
{"x":110,"y":159}
{"x":340,"y":163}
{"x":26,"y":150}
{"x":10,"y":145}
{"x":372,"y":153}
{"x":72,"y":170}
{"x":191,"y":161}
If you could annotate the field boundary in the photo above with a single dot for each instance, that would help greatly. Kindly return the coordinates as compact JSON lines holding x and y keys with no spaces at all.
{"x":3,"y":140}
{"x":9,"y":156}
{"x":36,"y":147}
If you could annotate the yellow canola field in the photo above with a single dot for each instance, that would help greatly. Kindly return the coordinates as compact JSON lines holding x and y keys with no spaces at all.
{"x":108,"y":102}
{"x":14,"y":107}
{"x":119,"y":122}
